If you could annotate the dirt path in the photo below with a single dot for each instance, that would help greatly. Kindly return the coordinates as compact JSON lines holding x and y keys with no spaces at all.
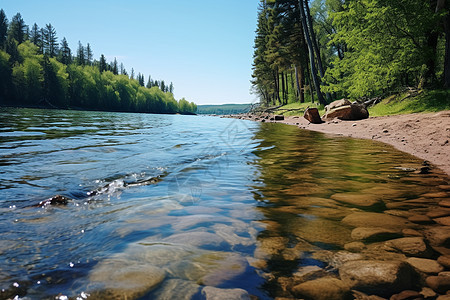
{"x":426,"y":136}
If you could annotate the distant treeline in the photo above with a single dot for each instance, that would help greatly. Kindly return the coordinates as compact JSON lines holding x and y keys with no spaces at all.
{"x":225,"y":109}
{"x":37,"y":71}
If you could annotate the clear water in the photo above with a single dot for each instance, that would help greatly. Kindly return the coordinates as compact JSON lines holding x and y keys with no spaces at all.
{"x":199,"y":200}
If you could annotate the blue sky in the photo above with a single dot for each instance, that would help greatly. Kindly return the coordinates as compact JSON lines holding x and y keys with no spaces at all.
{"x":204,"y":47}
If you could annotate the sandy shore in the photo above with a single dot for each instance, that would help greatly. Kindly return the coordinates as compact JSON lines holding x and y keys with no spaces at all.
{"x":426,"y":136}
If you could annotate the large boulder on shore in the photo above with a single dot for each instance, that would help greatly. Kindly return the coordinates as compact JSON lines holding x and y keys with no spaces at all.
{"x":312,"y":115}
{"x":345,"y":110}
{"x":382,"y":278}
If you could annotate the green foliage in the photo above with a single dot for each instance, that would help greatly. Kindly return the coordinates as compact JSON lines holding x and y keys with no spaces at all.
{"x":425,"y":101}
{"x":35,"y":72}
{"x":386,"y":42}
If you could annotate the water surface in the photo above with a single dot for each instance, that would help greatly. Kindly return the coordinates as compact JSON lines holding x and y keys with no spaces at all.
{"x":163,"y":205}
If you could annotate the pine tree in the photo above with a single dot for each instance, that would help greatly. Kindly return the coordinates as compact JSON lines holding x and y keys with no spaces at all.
{"x":89,"y":56}
{"x":36,"y":37}
{"x":50,"y":41}
{"x":115,"y":67}
{"x":3,"y":28}
{"x":149,"y":82}
{"x":81,"y":58}
{"x":65,"y":53}
{"x":163,"y":86}
{"x":102,"y":65}
{"x":132,"y":74}
{"x":17,"y":28}
{"x":122,"y":69}
{"x":171,"y":88}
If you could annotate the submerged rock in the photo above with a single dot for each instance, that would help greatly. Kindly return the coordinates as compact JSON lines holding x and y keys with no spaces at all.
{"x":369,"y":219}
{"x":440,"y":283}
{"x":374,"y":234}
{"x":121,"y":279}
{"x":357,"y":199}
{"x":212,"y":293}
{"x":323,"y":289}
{"x":55,"y":200}
{"x":424,"y":265}
{"x":411,"y":246}
{"x":382,"y":278}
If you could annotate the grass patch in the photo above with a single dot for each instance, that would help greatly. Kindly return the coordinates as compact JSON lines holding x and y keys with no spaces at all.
{"x":297,"y":109}
{"x":424,"y":101}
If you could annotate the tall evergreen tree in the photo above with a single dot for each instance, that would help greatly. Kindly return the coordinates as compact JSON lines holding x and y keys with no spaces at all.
{"x":171,"y":88}
{"x":149,"y":82}
{"x":17,"y":28}
{"x":89,"y":55}
{"x":36,"y":37}
{"x":115,"y":67}
{"x":50,"y":41}
{"x":65,"y":53}
{"x":102,"y":65}
{"x":81,"y":54}
{"x":132,"y":74}
{"x":3,"y":28}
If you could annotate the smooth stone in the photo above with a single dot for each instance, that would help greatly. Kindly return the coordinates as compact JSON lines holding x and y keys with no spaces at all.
{"x":198,"y":239}
{"x":270,"y":246}
{"x":444,"y":260}
{"x":398,"y":213}
{"x":357,"y":295}
{"x":354,"y":247}
{"x":176,"y":289}
{"x":370,"y":219}
{"x":445,"y":203}
{"x":356,"y":199}
{"x":443,"y":221}
{"x":424,"y":265}
{"x":336,"y":259}
{"x":117,"y":279}
{"x":411,"y":232}
{"x":227,"y":269}
{"x":322,"y":289}
{"x":231,"y":236}
{"x":374,"y":233}
{"x":407,"y":295}
{"x":420,"y":219}
{"x":443,"y":297}
{"x":212,"y":293}
{"x":439,"y":283}
{"x":436,"y":195}
{"x":438,"y":236}
{"x":427,"y":293}
{"x":382,"y":278}
{"x":411,"y":246}
{"x":438,"y":212}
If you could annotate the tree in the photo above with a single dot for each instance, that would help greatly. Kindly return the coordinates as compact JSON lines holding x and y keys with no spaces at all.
{"x":149,"y":82}
{"x":36,"y":37}
{"x":115,"y":67}
{"x":3,"y":29}
{"x":81,"y":54}
{"x":65,"y":53}
{"x":171,"y":88}
{"x":102,"y":65}
{"x":122,"y":69}
{"x":132,"y":74}
{"x":387,"y":43}
{"x":17,"y":28}
{"x":50,"y":41}
{"x":89,"y":55}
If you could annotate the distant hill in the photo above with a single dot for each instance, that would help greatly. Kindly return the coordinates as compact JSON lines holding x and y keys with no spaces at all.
{"x":224,"y":109}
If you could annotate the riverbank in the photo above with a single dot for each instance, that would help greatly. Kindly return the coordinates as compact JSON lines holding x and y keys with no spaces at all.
{"x":425,"y":135}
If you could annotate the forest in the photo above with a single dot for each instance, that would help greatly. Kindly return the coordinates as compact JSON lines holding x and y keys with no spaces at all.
{"x":328,"y":49}
{"x":38,"y":71}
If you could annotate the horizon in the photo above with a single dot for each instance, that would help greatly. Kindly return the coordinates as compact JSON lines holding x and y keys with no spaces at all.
{"x":195,"y":45}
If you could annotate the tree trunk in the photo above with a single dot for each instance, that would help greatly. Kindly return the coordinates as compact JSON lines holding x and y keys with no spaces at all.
{"x":277,"y":86}
{"x":447,"y":46}
{"x":311,"y":54}
{"x":283,"y":88}
{"x":315,"y":45}
{"x":300,"y":83}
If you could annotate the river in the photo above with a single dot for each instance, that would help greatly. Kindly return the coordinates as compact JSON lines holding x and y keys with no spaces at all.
{"x":161,"y":206}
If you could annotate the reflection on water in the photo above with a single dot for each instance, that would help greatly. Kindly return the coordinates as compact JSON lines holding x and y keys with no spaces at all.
{"x":163,"y":206}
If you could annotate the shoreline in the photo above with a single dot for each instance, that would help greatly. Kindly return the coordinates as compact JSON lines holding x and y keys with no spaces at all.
{"x":424,"y":135}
